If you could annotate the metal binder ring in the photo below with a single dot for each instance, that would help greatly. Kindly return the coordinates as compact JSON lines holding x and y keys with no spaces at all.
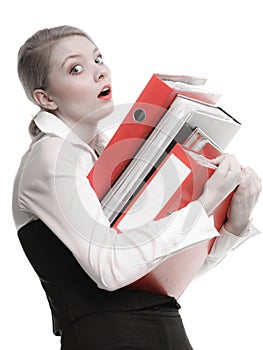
{"x":139,"y":115}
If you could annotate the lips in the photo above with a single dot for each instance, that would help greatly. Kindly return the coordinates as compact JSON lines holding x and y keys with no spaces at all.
{"x":105,"y":93}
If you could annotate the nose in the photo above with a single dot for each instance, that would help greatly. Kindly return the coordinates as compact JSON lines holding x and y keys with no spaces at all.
{"x":101,"y":73}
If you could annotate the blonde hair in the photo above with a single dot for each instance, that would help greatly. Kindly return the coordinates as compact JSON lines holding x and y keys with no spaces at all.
{"x":34,"y":61}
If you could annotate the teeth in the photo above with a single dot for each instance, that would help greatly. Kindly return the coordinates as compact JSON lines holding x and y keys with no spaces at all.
{"x":104,"y":91}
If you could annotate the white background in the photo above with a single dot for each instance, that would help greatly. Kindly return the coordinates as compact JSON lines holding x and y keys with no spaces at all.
{"x":221,"y":40}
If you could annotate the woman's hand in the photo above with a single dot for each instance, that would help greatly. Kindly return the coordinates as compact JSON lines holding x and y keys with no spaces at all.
{"x":225,"y":179}
{"x":243,"y":201}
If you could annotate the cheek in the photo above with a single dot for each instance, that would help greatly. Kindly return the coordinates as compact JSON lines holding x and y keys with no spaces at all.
{"x":74,"y":92}
{"x":77,"y":100}
{"x":75,"y":96}
{"x":72,"y":88}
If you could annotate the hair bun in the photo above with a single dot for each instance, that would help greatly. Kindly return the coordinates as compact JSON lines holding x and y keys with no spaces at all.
{"x":33,"y":129}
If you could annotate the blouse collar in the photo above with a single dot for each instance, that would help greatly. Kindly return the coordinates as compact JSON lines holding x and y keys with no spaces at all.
{"x":48,"y":123}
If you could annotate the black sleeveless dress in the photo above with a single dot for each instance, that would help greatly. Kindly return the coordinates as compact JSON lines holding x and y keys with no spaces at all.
{"x":87,"y":317}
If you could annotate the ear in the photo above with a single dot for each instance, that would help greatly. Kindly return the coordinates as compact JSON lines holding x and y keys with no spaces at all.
{"x":44,"y":100}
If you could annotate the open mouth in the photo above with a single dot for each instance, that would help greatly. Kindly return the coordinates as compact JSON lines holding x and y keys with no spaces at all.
{"x":105,"y":93}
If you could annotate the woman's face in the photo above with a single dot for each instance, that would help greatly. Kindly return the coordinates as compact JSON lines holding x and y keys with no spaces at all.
{"x":79,"y":81}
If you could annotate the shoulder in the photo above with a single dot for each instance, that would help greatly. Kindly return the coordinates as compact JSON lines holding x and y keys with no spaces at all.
{"x":58,"y":157}
{"x":44,"y":153}
{"x":51,"y":149}
{"x":49,"y":158}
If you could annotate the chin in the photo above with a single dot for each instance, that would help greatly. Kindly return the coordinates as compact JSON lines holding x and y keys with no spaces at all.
{"x":104,"y":111}
{"x":98,"y":114}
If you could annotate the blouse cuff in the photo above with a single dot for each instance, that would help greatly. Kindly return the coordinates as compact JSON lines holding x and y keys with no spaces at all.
{"x":228,"y":241}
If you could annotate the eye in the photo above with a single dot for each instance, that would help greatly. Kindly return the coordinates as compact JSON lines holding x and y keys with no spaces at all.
{"x":77,"y":69}
{"x":99,"y":59}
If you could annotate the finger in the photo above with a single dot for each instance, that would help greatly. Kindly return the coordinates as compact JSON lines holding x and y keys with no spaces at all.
{"x":253,"y":177}
{"x":218,"y":159}
{"x":252,"y":173}
{"x":244,"y":181}
{"x":229,"y":158}
{"x":249,"y":170}
{"x":229,"y":166}
{"x":234,"y":164}
{"x":249,"y":188}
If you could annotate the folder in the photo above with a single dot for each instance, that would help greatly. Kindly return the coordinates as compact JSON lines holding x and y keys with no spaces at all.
{"x":183,"y":117}
{"x":137,"y":125}
{"x":176,"y":181}
{"x":167,"y":134}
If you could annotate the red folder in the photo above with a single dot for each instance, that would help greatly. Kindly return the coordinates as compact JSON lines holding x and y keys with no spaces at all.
{"x":145,"y":113}
{"x":187,"y":187}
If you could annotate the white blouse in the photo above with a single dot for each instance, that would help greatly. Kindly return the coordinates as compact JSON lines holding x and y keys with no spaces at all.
{"x":51,"y":184}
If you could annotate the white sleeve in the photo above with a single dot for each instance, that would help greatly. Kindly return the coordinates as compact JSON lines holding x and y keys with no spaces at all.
{"x":55,"y":189}
{"x":226,"y":243}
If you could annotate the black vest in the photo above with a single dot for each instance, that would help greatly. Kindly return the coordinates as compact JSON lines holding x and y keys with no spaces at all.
{"x":71,"y":293}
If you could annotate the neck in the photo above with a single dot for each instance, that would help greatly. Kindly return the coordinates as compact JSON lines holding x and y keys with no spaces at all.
{"x":86,"y":131}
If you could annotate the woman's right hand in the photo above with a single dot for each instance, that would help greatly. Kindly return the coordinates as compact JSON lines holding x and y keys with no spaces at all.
{"x":225,"y":179}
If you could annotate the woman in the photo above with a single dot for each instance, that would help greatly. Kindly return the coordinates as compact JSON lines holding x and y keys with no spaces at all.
{"x":83,"y":264}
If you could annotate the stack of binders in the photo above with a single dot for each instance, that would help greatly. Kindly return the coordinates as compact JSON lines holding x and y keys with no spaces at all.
{"x":158,"y":161}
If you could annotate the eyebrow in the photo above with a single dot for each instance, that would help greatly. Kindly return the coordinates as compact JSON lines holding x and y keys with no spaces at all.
{"x":77,"y":55}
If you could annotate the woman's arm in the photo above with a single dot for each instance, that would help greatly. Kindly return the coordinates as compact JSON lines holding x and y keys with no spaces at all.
{"x":54,"y":187}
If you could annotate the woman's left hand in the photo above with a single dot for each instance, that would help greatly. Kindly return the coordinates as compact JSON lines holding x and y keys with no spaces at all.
{"x":243,"y":201}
